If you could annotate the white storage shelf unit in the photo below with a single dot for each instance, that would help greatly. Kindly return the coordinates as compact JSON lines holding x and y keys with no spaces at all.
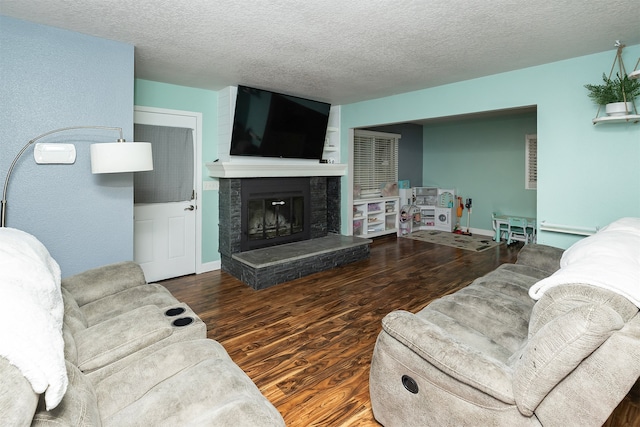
{"x":375,"y":216}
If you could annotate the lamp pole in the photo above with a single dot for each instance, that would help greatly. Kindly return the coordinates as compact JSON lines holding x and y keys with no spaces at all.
{"x":3,"y":214}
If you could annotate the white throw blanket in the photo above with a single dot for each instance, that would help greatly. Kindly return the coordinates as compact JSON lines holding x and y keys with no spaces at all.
{"x":609,"y":259}
{"x":32,"y":313}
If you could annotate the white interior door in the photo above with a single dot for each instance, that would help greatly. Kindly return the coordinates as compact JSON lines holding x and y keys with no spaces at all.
{"x":164,"y":239}
{"x":165,"y":234}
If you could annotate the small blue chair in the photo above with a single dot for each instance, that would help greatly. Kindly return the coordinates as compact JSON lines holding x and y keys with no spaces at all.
{"x":517,"y":230}
{"x":502,"y":230}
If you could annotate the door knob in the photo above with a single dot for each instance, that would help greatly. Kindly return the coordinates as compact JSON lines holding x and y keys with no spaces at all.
{"x":190,"y":208}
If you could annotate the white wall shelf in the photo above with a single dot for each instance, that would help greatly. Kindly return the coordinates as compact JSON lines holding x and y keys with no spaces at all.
{"x":635,"y":118}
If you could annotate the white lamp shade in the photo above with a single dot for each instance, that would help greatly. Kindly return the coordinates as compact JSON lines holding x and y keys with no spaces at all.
{"x":114,"y":157}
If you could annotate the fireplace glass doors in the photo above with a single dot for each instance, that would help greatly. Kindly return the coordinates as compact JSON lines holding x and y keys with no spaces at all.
{"x":275,"y":211}
{"x":275,"y":217}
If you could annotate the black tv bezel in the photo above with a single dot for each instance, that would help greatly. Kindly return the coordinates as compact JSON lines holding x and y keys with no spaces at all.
{"x":270,"y":146}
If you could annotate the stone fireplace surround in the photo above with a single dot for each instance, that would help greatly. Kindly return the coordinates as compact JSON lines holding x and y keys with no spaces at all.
{"x":325,"y":210}
{"x":265,"y":267}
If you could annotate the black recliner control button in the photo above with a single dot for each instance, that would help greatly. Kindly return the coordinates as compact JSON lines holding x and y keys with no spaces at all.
{"x":410,"y":384}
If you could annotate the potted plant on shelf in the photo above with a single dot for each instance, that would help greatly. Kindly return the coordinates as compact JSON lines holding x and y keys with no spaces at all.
{"x":614,"y":92}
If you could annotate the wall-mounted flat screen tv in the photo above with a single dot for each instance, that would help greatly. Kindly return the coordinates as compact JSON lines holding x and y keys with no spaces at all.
{"x":270,"y":124}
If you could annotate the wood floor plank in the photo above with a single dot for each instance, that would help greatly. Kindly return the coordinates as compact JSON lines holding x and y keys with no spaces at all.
{"x":307,"y":344}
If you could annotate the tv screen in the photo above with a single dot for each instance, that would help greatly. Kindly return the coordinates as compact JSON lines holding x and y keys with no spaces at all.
{"x":270,"y":124}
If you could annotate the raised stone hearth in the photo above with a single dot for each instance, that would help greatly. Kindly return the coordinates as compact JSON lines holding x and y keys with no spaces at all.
{"x":261,"y":268}
{"x":264,"y":267}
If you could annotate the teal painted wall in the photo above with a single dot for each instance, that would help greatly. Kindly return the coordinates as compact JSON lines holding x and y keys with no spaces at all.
{"x":587,"y":175}
{"x":50,"y":79}
{"x":482,"y":159}
{"x":162,"y":95}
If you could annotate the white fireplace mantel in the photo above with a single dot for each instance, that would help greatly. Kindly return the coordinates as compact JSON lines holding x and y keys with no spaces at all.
{"x":275,"y":169}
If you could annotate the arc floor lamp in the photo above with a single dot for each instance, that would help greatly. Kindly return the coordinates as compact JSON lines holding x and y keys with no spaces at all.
{"x":108,"y":157}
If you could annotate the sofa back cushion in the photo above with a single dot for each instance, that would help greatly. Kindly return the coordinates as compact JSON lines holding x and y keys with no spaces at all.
{"x":566,"y":326}
{"x":541,"y":257}
{"x":91,"y":285}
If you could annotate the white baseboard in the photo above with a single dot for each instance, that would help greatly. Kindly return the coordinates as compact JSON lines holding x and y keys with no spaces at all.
{"x":209,"y":266}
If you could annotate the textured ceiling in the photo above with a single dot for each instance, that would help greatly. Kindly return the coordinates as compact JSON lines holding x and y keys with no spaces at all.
{"x":340,"y":51}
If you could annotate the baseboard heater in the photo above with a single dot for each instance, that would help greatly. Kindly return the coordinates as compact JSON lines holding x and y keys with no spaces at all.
{"x":568,"y":229}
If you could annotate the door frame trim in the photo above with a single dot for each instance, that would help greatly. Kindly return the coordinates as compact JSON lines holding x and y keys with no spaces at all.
{"x":198,"y":170}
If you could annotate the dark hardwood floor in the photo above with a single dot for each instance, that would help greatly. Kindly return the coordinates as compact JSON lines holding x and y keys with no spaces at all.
{"x":307,"y":344}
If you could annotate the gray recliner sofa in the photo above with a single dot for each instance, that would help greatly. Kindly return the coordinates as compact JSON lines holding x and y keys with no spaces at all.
{"x":552,"y":340}
{"x":118,"y":324}
{"x":104,"y":348}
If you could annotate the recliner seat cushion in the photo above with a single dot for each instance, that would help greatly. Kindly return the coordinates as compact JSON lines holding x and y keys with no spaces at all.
{"x":121,"y":336}
{"x":189,"y":383}
{"x":454,"y":352}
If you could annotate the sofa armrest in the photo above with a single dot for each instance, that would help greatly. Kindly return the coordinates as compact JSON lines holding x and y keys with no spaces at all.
{"x":18,"y":401}
{"x":567,"y":325}
{"x":473,"y":366}
{"x":100,"y":282}
{"x":120,"y":336}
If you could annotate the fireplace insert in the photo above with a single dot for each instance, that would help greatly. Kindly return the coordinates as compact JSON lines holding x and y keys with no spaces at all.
{"x":274,"y":211}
